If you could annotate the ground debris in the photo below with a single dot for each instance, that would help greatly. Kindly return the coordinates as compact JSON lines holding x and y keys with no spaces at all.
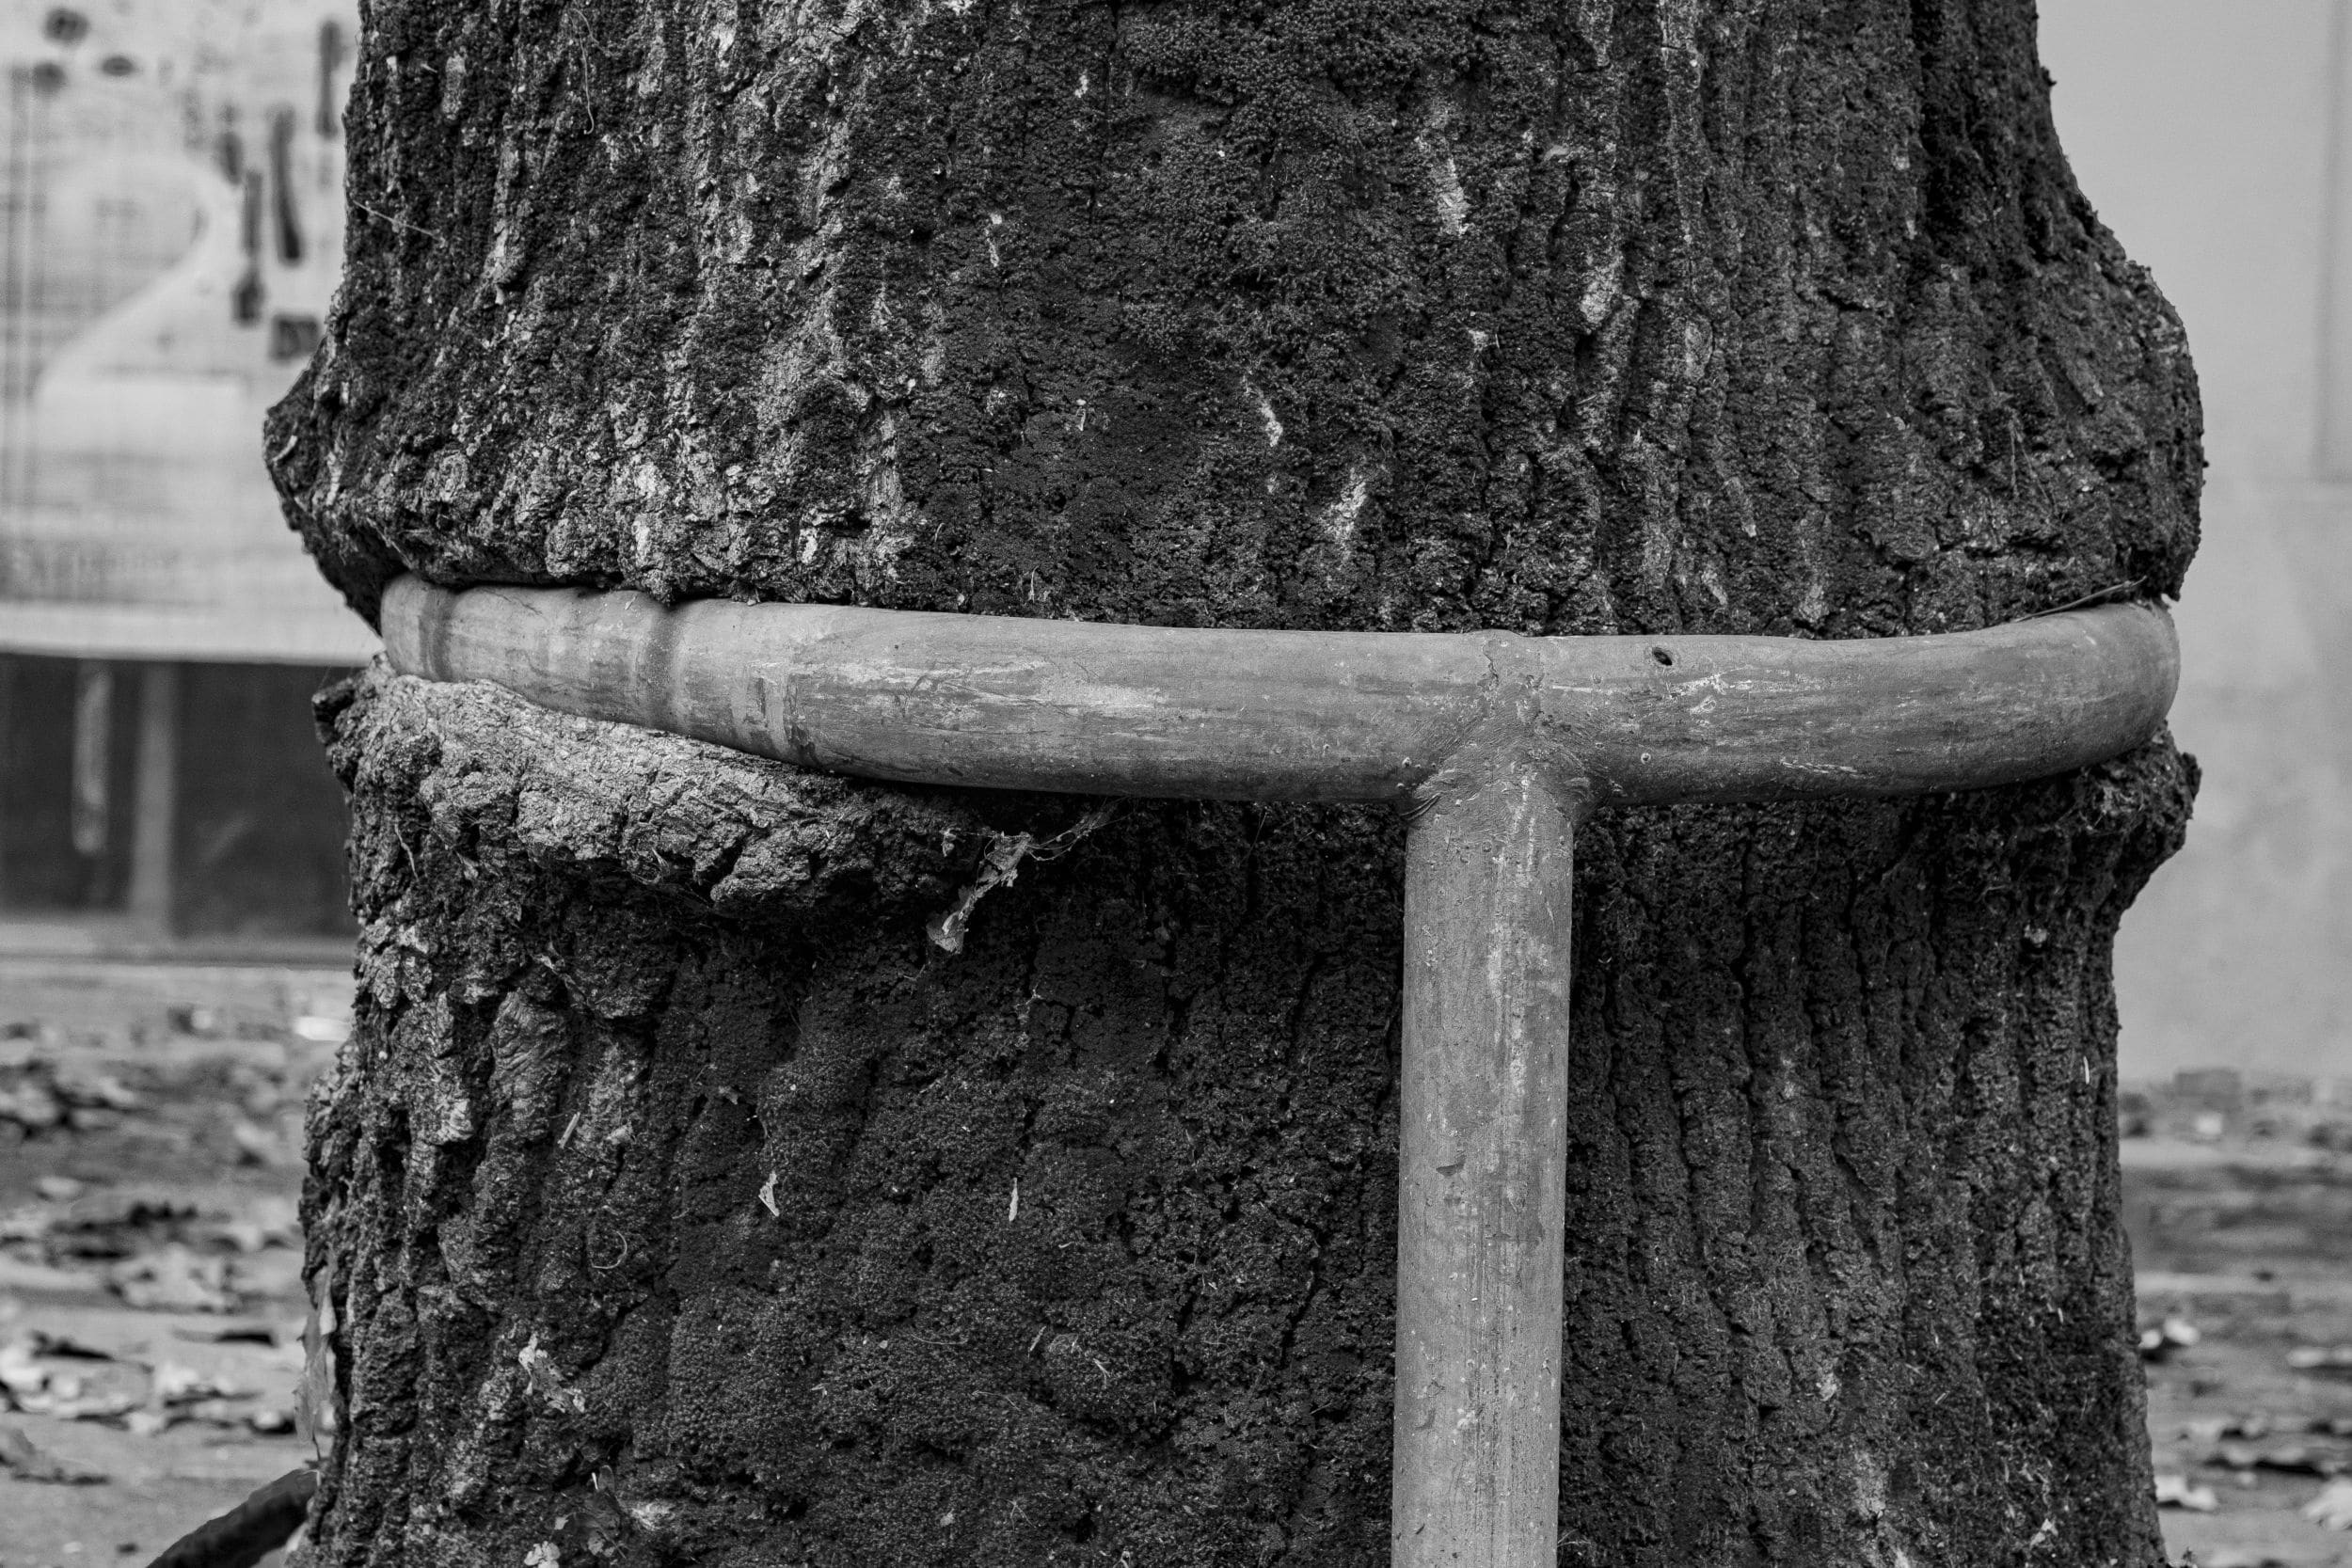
{"x":64,"y":1347}
{"x":241,"y":1334}
{"x":20,"y":1374}
{"x":178,"y":1394}
{"x":33,"y":1389}
{"x":130,"y":1393}
{"x":81,"y":1406}
{"x":2332,"y":1508}
{"x":2159,"y":1341}
{"x":2294,"y":1459}
{"x":175,"y":1279}
{"x":51,"y":1091}
{"x":161,"y":1250}
{"x":2180,"y":1492}
{"x":227,"y":1101}
{"x":25,"y":1460}
{"x":31,"y":1106}
{"x":149,"y":1128}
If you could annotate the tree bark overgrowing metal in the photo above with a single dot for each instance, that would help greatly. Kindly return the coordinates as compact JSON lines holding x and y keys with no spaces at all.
{"x":1495,"y":745}
{"x":663,"y":1209}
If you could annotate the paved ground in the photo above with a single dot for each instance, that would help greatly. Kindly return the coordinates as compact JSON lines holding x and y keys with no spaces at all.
{"x":150,"y":1305}
{"x":2248,"y":1241}
{"x":150,"y":1301}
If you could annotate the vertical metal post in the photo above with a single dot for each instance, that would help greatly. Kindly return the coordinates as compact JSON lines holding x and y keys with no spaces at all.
{"x":90,"y":790}
{"x":156,"y":799}
{"x":1483,"y":1203}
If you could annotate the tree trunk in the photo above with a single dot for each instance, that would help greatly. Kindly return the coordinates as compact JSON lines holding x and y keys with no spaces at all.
{"x":680,"y":1200}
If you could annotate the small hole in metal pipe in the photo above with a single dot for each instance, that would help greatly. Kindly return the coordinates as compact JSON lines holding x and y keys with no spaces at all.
{"x":1663,"y":656}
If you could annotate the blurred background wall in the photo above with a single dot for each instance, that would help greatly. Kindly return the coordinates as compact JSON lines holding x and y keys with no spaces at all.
{"x":170,"y":229}
{"x":2216,"y":141}
{"x":170,"y":235}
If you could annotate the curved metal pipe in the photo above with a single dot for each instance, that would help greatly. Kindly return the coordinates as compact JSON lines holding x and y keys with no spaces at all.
{"x":1498,"y":743}
{"x":1010,"y":704}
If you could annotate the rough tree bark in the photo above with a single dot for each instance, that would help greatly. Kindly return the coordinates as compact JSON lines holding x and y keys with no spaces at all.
{"x":679,"y":1201}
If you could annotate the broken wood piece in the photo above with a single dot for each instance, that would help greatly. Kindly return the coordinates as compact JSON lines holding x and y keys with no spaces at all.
{"x":1494,"y":744}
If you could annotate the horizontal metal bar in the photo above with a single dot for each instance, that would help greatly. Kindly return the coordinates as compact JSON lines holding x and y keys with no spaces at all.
{"x":1020,"y":703}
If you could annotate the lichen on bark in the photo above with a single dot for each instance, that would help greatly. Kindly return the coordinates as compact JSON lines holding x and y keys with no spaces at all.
{"x":680,"y":1201}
